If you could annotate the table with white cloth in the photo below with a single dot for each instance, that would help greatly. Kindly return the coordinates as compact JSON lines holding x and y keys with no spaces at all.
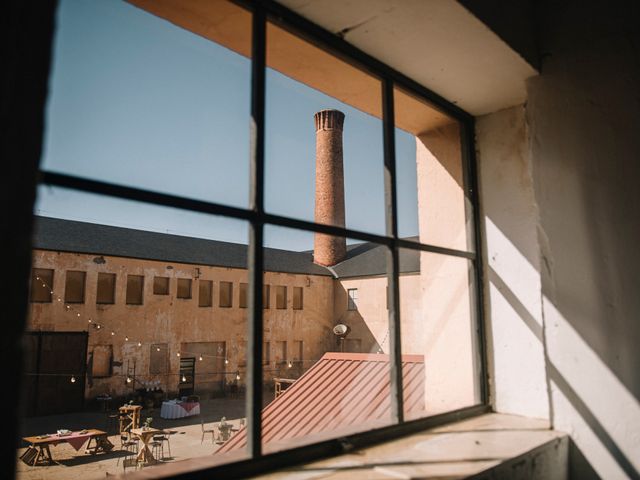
{"x":177,"y":409}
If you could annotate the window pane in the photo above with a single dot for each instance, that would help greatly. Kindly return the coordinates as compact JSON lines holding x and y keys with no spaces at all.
{"x":161,"y":285}
{"x":184,"y":288}
{"x":226,"y":294}
{"x":243,"y":295}
{"x":298,"y":293}
{"x":106,"y":290}
{"x":433,"y":207}
{"x":281,"y":297}
{"x":323,"y":129}
{"x":164,"y":108}
{"x":74,"y":287}
{"x":438,"y":326}
{"x":41,"y":284}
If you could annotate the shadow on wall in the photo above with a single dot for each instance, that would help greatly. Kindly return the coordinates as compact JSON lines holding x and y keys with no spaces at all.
{"x":360,"y":338}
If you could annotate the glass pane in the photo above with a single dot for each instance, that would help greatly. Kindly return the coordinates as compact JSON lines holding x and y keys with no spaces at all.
{"x":324,"y":158}
{"x":432,"y":205}
{"x":149,"y":340}
{"x":137,"y":100}
{"x":439,"y":333}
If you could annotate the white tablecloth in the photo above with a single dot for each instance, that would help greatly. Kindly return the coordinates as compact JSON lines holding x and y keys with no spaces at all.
{"x":176,"y":410}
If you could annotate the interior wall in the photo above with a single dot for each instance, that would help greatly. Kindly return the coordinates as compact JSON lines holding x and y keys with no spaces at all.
{"x":513,"y":307}
{"x":584,"y":113}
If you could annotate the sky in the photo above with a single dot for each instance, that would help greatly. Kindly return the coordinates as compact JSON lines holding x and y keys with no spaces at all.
{"x":137,"y":101}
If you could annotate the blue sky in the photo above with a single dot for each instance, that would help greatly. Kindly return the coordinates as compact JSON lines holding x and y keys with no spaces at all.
{"x":135,"y":100}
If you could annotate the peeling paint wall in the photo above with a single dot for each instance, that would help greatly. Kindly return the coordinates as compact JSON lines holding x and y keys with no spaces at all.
{"x":584,"y":117}
{"x":512,"y":261}
{"x":166,"y":319}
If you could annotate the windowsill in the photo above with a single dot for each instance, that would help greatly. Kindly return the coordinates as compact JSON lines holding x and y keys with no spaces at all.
{"x":456,"y":450}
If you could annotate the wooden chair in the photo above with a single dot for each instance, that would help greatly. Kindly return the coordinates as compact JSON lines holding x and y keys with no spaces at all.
{"x":205,"y":431}
{"x":162,"y":438}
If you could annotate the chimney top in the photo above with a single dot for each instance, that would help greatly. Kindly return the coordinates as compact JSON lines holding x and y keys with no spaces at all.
{"x":329,"y":119}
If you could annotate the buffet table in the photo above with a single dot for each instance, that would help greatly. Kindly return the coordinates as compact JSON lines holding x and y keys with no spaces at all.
{"x":177,"y":409}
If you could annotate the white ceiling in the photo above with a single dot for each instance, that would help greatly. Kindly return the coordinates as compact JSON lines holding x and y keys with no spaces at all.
{"x":437,"y":43}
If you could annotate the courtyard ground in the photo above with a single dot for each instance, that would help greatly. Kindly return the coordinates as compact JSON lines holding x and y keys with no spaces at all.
{"x":71,"y":464}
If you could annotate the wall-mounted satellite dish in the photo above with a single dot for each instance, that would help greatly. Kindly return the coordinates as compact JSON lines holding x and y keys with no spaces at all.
{"x":341,"y":330}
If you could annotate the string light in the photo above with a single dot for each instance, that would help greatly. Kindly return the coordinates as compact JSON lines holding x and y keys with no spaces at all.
{"x":200,"y":358}
{"x":289,"y":365}
{"x":128,"y":379}
{"x":139,"y":344}
{"x":157,"y":349}
{"x":78,"y":314}
{"x":177,"y":354}
{"x":89,"y":320}
{"x":73,"y":379}
{"x":98,"y":326}
{"x":184,"y":379}
{"x":113,"y":333}
{"x":126,"y":339}
{"x":238,"y":376}
{"x":226,"y":361}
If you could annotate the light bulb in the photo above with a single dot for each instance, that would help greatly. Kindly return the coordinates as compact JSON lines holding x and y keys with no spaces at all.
{"x":139,"y":344}
{"x":184,"y":379}
{"x":200,"y":358}
{"x":68,"y":307}
{"x":128,"y":379}
{"x":59,"y":299}
{"x":157,"y":349}
{"x":98,"y":326}
{"x":37,"y":278}
{"x":43,"y":285}
{"x":237,"y":376}
{"x":89,"y":320}
{"x":126,"y":339}
{"x":289,"y":365}
{"x":226,"y":361}
{"x":73,"y":379}
{"x":178,"y":354}
{"x":78,"y":314}
{"x":113,"y":333}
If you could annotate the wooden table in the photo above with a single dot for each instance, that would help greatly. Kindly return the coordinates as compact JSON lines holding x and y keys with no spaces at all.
{"x":129,"y":417}
{"x":145,"y":454}
{"x":39,"y":452}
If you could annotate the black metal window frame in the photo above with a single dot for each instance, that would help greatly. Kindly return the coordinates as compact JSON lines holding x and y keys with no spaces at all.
{"x":264,"y":11}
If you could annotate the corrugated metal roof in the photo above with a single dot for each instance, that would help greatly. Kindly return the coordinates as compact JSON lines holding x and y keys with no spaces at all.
{"x":341,"y":390}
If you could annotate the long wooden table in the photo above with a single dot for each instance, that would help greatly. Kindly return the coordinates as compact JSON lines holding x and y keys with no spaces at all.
{"x":39,"y":452}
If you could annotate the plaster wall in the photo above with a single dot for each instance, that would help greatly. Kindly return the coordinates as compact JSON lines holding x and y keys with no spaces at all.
{"x":583,"y":113}
{"x":512,"y":261}
{"x":177,"y":322}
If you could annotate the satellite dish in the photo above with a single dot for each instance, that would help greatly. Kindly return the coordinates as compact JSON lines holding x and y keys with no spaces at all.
{"x":341,"y":330}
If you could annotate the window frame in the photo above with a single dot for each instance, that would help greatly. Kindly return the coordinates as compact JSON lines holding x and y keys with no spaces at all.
{"x":269,"y":10}
{"x":352,"y":302}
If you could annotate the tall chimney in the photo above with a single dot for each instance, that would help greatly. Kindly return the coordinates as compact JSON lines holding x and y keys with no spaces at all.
{"x":329,"y":250}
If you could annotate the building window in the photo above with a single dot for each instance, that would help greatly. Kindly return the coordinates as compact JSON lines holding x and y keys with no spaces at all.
{"x":161,"y":285}
{"x":205,"y":293}
{"x":101,"y":360}
{"x":135,"y":289}
{"x":184,"y":288}
{"x":243,"y":295}
{"x":281,"y":352}
{"x":106,"y":291}
{"x":74,"y":286}
{"x":281,"y":297}
{"x":352,"y":301}
{"x":158,"y":358}
{"x":41,"y":285}
{"x":226,"y":295}
{"x":298,"y":348}
{"x":266,"y":353}
{"x":266,"y":296}
{"x":297,"y":298}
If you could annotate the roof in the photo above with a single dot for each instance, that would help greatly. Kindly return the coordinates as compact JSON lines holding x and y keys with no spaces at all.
{"x":339,"y":391}
{"x":363,"y":259}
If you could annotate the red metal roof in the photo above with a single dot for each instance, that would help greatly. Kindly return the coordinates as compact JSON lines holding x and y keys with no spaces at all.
{"x":341,"y":390}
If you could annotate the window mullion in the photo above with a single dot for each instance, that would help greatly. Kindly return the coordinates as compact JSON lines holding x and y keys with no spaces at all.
{"x":255,"y":253}
{"x":393,"y":267}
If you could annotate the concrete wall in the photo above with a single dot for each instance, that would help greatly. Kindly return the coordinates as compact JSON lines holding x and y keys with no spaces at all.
{"x":584,"y":115}
{"x":180,"y":323}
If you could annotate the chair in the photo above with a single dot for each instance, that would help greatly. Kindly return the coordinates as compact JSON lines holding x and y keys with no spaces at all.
{"x":205,"y":431}
{"x":156,"y":448}
{"x":128,"y":443}
{"x":163,"y":437}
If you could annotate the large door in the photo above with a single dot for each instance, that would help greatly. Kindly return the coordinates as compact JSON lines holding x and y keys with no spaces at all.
{"x":53,"y":360}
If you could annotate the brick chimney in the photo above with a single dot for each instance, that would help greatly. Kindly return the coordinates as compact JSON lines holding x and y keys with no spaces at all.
{"x":329,"y":250}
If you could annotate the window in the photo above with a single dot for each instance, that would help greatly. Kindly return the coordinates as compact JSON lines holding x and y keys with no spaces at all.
{"x":106,"y":291}
{"x":281,"y":297}
{"x":226,"y":294}
{"x":135,"y":289}
{"x":266,"y":353}
{"x":161,"y":285}
{"x":74,"y":287}
{"x":158,"y":358}
{"x":339,"y":72}
{"x":184,"y":288}
{"x":205,"y":293}
{"x":297,"y":298}
{"x":352,"y":299}
{"x":102,"y":356}
{"x":266,"y":296}
{"x":41,"y":284}
{"x":243,"y":295}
